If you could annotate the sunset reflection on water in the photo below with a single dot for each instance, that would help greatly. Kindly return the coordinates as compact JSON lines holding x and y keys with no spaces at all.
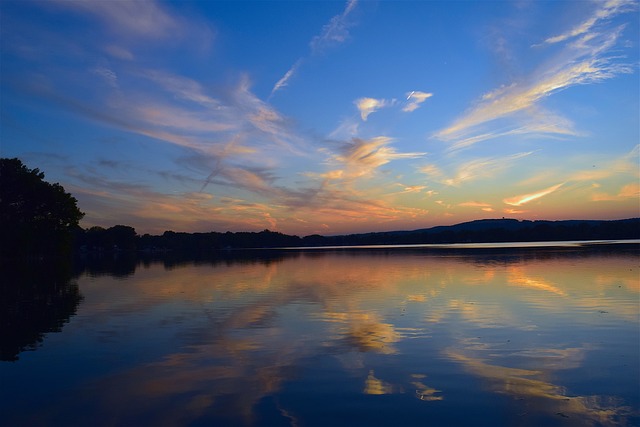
{"x":351,"y":338}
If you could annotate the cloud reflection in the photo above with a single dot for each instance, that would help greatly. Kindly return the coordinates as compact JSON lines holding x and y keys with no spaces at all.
{"x":542,"y":396}
{"x":243,"y":331}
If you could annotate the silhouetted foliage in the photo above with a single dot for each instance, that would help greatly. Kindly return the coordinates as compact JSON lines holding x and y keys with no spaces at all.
{"x":36,"y":218}
{"x":116,"y":238}
{"x":481,"y":231}
{"x":122,"y":238}
{"x":195,"y":243}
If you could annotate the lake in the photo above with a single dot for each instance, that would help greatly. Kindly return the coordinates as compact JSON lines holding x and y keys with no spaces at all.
{"x":403,"y":336}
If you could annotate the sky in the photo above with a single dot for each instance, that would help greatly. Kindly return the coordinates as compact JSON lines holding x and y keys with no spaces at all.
{"x":325,"y":117}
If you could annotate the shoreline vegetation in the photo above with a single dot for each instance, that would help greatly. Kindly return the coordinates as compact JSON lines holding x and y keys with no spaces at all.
{"x":41,"y":220}
{"x":122,"y":238}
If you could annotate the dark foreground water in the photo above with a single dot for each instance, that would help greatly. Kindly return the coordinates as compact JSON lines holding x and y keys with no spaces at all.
{"x":381,"y":337}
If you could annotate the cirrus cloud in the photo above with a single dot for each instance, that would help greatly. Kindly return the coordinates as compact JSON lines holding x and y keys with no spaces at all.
{"x":526,"y":198}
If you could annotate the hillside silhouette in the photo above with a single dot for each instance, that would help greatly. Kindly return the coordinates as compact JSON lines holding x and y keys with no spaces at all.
{"x":124,"y":238}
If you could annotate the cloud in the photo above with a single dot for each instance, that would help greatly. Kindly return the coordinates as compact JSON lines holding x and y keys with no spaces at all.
{"x":361,"y":157}
{"x":181,"y":87}
{"x":137,"y":19}
{"x":414,"y":99}
{"x":628,"y":191}
{"x":284,"y":81}
{"x":605,"y":11}
{"x":367,"y":106}
{"x":237,"y":143}
{"x":483,"y":168}
{"x":412,"y":188}
{"x":334,"y":32}
{"x":536,"y":121}
{"x":625,"y":165}
{"x":432,"y":171}
{"x":266,"y":121}
{"x":475,"y":204}
{"x":241,"y":139}
{"x":109,"y":76}
{"x":119,"y":52}
{"x":233,"y":147}
{"x":169,"y":116}
{"x":510,"y":211}
{"x":517,"y":104}
{"x":142,"y":18}
{"x":155,"y":211}
{"x":526,"y":198}
{"x":347,"y":129}
{"x":472,"y":169}
{"x":207,"y":124}
{"x":486,"y":207}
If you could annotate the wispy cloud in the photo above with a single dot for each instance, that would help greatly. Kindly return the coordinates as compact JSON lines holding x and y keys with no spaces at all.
{"x":536,"y":121}
{"x":472,"y":170}
{"x":361,"y":157}
{"x":412,"y":188}
{"x":605,"y":11}
{"x":172,"y":117}
{"x":414,"y":99}
{"x":526,"y":198}
{"x":284,"y":81}
{"x":483,"y":168}
{"x":347,"y":129}
{"x":265,"y":119}
{"x":628,"y":191}
{"x":140,"y":19}
{"x":109,"y":76}
{"x":119,"y":52}
{"x":581,"y":63}
{"x":432,"y":170}
{"x":240,"y":138}
{"x":473,"y":204}
{"x":367,"y":106}
{"x":624,"y":165}
{"x":336,"y":31}
{"x":181,"y":87}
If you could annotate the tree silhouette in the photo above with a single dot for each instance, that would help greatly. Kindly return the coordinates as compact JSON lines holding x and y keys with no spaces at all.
{"x":36,"y":218}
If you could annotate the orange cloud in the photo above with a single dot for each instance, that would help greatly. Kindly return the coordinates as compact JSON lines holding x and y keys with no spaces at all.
{"x":414,"y":99}
{"x":526,"y":198}
{"x":629,"y":191}
{"x":367,"y":106}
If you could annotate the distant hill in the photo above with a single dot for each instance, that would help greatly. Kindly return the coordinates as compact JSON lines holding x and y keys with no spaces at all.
{"x":480,"y":231}
{"x":494,"y":230}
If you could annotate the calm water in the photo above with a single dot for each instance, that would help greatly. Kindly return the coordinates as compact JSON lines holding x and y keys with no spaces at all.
{"x":395,"y":337}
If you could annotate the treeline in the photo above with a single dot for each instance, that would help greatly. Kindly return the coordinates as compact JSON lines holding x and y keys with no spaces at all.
{"x":125,"y":238}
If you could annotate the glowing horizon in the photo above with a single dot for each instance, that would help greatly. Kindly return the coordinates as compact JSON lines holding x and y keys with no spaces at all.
{"x":325,"y":117}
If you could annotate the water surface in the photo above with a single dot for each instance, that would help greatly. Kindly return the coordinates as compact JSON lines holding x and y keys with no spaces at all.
{"x":412,"y":337}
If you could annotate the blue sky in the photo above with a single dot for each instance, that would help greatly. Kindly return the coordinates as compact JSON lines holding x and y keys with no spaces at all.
{"x":323,"y":116}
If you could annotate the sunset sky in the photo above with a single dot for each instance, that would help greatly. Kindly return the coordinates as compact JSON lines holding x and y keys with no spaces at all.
{"x":325,"y":117}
